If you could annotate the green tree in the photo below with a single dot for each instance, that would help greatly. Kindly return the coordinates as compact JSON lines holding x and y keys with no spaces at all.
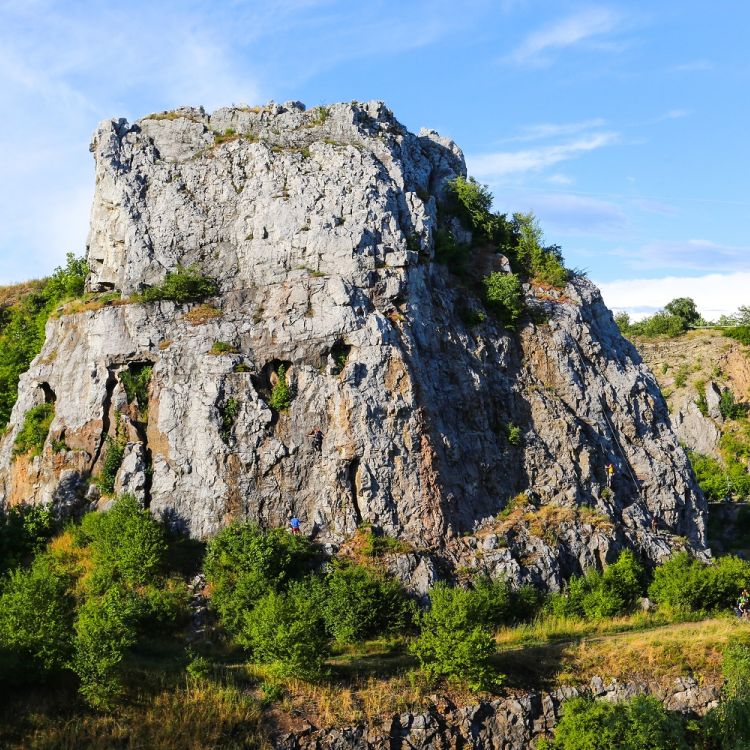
{"x":243,"y":563}
{"x":286,"y":630}
{"x":544,"y":264}
{"x":361,"y":603}
{"x":452,"y":643}
{"x":24,"y":532}
{"x":685,"y":309}
{"x":33,"y":433}
{"x":503,"y":294}
{"x":126,"y":542}
{"x":105,"y":629}
{"x":36,"y":619}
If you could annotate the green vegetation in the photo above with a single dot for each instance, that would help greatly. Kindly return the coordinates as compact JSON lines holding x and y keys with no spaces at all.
{"x":281,"y":393}
{"x":740,"y":333}
{"x":686,"y":584}
{"x":543,"y":264}
{"x":24,"y":532}
{"x":362,"y":603}
{"x":596,"y":595}
{"x":24,"y":310}
{"x":453,"y":641}
{"x":84,"y":602}
{"x":97,"y":611}
{"x":33,"y":434}
{"x":515,"y":434}
{"x":136,"y":380}
{"x":186,"y":284}
{"x":641,"y":723}
{"x":229,"y":411}
{"x":114,"y":452}
{"x":504,"y":296}
{"x":222,"y":347}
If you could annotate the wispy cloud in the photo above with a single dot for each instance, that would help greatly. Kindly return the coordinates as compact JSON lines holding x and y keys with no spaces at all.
{"x":582,"y":27}
{"x":693,"y":66}
{"x":501,"y":164}
{"x":546,"y":130}
{"x":690,"y":255}
{"x":715,"y":294}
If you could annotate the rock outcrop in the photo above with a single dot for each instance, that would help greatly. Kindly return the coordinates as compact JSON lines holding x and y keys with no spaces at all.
{"x":514,"y":723}
{"x":318,"y":228}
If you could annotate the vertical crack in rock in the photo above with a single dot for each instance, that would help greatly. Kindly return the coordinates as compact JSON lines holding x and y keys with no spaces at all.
{"x":352,"y":475}
{"x":110,"y":385}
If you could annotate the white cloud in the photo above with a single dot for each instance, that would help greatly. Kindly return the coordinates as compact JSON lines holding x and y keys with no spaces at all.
{"x":714,"y":294}
{"x":691,"y":255}
{"x":693,"y":66}
{"x":568,"y":32}
{"x":554,"y":130}
{"x":560,"y":179}
{"x":503,"y":163}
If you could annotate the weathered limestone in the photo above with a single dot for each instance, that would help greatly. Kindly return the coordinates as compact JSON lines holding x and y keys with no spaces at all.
{"x":514,"y":723}
{"x":318,"y":227}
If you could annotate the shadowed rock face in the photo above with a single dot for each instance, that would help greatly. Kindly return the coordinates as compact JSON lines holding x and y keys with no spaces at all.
{"x":318,"y":227}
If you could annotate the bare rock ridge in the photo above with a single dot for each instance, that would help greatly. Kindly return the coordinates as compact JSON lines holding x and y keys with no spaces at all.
{"x":318,"y":229}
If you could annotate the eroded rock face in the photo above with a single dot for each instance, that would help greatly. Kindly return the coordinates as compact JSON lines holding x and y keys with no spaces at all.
{"x":514,"y":723}
{"x":318,"y":227}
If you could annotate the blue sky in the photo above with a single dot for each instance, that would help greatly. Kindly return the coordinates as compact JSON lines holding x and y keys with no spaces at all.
{"x":622,"y":125}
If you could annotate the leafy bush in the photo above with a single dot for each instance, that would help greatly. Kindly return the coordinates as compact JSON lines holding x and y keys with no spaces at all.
{"x":229,"y":411}
{"x":36,"y":619}
{"x":450,"y":252}
{"x":727,"y":727}
{"x":281,"y":394}
{"x":710,"y":475}
{"x":183,"y":285}
{"x":114,"y":451}
{"x":452,"y":643}
{"x":243,"y":563}
{"x":222,"y":347}
{"x":740,"y":333}
{"x":24,"y":531}
{"x":33,"y":434}
{"x":728,"y":407}
{"x":106,"y":627}
{"x":361,"y":603}
{"x":515,"y":434}
{"x":685,"y":309}
{"x":285,"y":630}
{"x":472,"y":202}
{"x":504,"y":296}
{"x":22,"y":325}
{"x":136,"y":381}
{"x":544,"y":264}
{"x":127,"y":544}
{"x":659,"y":324}
{"x":687,"y":584}
{"x":596,"y":595}
{"x":641,"y":723}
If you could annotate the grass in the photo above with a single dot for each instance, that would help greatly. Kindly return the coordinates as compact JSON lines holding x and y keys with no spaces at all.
{"x":193,"y":715}
{"x":91,"y":303}
{"x":202,"y":314}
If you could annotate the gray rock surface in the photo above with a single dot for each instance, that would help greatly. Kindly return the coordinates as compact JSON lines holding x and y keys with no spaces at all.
{"x":318,"y":227}
{"x":514,"y":723}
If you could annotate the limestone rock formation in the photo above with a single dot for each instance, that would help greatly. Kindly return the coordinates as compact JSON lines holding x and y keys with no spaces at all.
{"x":318,"y":228}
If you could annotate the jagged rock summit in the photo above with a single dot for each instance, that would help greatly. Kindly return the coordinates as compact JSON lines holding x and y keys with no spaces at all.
{"x":318,"y":228}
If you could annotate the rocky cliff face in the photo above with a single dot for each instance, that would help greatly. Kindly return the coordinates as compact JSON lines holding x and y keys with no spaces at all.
{"x":318,"y":228}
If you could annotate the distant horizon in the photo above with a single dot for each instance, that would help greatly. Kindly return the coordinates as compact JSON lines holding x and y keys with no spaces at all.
{"x":618,"y":125}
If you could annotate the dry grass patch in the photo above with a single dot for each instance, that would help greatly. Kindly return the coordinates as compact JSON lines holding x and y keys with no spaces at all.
{"x":197,"y":716}
{"x":668,"y":652}
{"x":91,"y":302}
{"x":12,"y":294}
{"x":202,"y":314}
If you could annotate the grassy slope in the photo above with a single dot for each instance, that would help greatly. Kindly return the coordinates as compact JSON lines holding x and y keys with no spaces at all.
{"x":165,"y":709}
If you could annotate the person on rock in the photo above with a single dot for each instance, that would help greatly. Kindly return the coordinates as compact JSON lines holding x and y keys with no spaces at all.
{"x":294,"y":525}
{"x":317,"y":439}
{"x":610,"y":472}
